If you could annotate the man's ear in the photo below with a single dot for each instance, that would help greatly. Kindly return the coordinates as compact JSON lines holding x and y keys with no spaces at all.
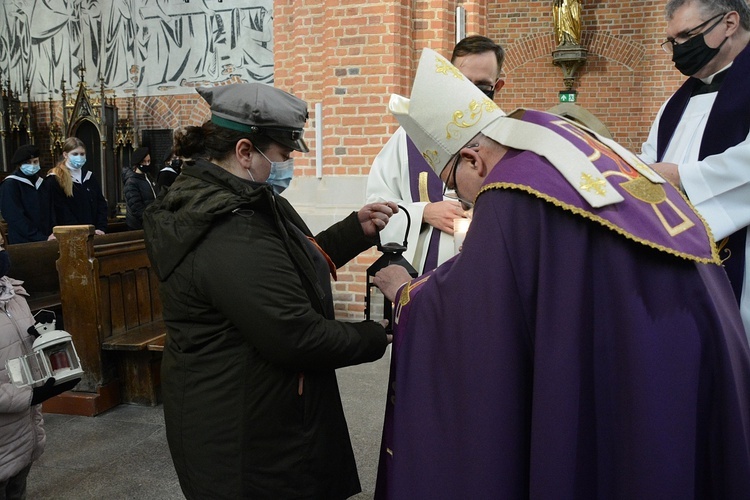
{"x":243,"y":150}
{"x":499,"y":84}
{"x":733,"y":22}
{"x":474,"y":161}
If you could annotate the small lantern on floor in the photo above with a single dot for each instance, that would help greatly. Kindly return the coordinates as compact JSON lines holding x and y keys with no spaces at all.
{"x":392,"y":254}
{"x":54,"y":355}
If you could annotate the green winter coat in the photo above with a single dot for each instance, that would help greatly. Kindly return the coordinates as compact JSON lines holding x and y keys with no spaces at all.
{"x":251,"y":402}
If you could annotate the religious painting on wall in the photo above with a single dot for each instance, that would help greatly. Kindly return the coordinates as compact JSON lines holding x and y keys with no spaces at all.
{"x":141,"y":47}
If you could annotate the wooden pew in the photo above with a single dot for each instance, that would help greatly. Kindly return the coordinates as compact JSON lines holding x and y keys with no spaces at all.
{"x":34,"y":264}
{"x":112,"y":309}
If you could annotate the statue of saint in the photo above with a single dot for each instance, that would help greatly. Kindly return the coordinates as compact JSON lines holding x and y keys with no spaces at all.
{"x":567,"y":15}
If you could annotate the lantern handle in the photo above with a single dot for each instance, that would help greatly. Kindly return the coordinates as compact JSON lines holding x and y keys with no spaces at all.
{"x":406,"y":234}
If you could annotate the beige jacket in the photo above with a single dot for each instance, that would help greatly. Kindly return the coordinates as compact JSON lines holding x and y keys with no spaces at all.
{"x":21,"y":434}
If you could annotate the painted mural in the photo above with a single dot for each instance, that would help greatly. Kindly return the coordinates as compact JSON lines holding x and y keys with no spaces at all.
{"x":141,"y":47}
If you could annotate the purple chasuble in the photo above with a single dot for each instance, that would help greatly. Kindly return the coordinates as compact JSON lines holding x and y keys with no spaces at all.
{"x":728,"y":124}
{"x":569,"y":353}
{"x":417,"y":166}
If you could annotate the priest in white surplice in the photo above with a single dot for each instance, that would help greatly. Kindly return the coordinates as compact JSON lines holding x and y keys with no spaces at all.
{"x":400,"y":174}
{"x":700,"y":140}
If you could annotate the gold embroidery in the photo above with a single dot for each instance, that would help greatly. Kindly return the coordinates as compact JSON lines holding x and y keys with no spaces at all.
{"x":646,"y":191}
{"x":475,"y":112}
{"x":643,"y":189}
{"x":423,"y":193}
{"x":674,"y":230}
{"x":606,"y":223}
{"x":444,"y":68}
{"x":600,"y":149}
{"x":431,"y":157}
{"x":721,"y":248}
{"x":595,"y":184}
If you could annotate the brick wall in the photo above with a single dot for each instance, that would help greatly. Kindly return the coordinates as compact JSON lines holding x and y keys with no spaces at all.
{"x":625,"y":79}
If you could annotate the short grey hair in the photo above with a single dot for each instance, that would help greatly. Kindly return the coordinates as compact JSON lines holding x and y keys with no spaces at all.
{"x":712,"y":8}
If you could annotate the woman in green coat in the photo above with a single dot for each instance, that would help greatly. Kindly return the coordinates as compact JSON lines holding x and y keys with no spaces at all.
{"x":251,"y":402}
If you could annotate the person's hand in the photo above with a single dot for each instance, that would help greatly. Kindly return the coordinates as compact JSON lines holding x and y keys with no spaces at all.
{"x":389,"y":280}
{"x":98,"y":231}
{"x":50,"y":390}
{"x":669,"y":172}
{"x":374,"y":216}
{"x":384,"y":323}
{"x":51,"y":237}
{"x":440,"y":214}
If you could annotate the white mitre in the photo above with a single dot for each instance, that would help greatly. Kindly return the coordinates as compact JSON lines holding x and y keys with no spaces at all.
{"x":446,"y":111}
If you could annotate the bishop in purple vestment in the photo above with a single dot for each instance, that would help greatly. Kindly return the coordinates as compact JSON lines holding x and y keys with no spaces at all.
{"x":576,"y":348}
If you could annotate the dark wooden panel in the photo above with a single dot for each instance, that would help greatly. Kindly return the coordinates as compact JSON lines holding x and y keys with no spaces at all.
{"x":116,"y":303}
{"x":130,"y":299}
{"x":143,"y":299}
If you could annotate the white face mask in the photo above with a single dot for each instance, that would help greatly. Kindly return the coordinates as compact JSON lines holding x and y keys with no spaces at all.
{"x":281,"y":173}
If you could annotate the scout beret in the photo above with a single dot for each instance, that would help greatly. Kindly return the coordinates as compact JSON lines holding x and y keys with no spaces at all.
{"x":24,"y":153}
{"x":259,"y":109}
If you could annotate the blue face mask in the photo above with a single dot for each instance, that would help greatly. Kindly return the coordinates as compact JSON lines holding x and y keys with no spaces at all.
{"x":281,"y":173}
{"x":77,"y":161}
{"x":29,"y":168}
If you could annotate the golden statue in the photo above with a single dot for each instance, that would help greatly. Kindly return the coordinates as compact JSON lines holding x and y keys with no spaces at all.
{"x":567,"y":15}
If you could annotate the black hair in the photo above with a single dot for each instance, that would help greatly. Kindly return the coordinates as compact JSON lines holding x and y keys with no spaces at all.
{"x":477,"y":44}
{"x":210,"y":141}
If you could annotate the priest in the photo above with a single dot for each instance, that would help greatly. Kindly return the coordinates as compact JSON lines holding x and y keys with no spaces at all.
{"x":585,"y":343}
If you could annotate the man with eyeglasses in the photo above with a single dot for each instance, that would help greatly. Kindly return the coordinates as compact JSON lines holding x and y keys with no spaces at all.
{"x":585,"y":343}
{"x":399,"y":172}
{"x":700,"y":140}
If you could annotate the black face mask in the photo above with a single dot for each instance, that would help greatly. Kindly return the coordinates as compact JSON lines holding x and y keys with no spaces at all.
{"x":689,"y":57}
{"x":489,"y":93}
{"x":144,"y":168}
{"x":176,"y":164}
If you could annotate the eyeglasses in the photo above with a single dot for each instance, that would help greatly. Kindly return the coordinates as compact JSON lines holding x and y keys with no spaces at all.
{"x":452,"y":192}
{"x":670,"y":43}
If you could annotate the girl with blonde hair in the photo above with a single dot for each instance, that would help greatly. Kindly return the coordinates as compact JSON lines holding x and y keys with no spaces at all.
{"x":70,"y":193}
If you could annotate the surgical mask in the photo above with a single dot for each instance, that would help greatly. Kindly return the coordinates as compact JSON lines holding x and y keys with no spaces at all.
{"x":281,"y":173}
{"x":76,"y":162}
{"x":691,"y":56}
{"x":29,"y":168}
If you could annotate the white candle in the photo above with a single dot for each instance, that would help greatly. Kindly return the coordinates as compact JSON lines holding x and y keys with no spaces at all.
{"x":460,"y":227}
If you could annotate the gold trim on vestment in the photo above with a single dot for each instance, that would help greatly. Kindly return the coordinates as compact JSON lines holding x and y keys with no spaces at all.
{"x":424,"y":195}
{"x":608,"y":224}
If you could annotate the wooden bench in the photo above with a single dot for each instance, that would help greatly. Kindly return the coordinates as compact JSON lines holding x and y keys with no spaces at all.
{"x":112,"y":309}
{"x":34,"y":264}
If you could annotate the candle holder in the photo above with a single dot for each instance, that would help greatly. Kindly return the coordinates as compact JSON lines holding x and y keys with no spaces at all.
{"x":54,"y":355}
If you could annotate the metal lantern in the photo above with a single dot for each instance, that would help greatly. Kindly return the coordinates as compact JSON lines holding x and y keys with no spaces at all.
{"x":54,"y":355}
{"x":392,"y":254}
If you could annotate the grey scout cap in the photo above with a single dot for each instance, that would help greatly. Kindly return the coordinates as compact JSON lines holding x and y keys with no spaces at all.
{"x":259,"y":108}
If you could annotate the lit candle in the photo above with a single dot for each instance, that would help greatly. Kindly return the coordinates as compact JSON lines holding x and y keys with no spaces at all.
{"x":460,"y":227}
